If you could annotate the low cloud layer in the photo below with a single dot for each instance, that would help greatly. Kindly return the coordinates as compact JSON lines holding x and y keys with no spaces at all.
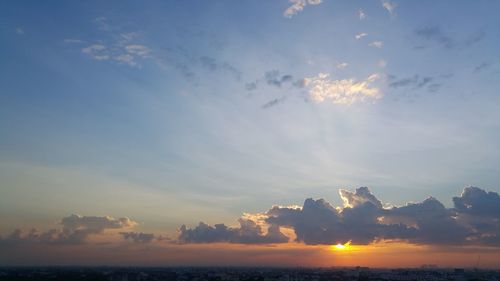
{"x":76,"y":229}
{"x":249,"y":232}
{"x":364,"y":219}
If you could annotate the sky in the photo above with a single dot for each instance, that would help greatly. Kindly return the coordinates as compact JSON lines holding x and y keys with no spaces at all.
{"x":250,"y":133}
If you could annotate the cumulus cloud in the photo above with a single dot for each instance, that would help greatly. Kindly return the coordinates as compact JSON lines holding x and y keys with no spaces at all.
{"x":475,"y":201}
{"x":298,"y":5}
{"x":76,"y":229}
{"x":249,"y":232}
{"x":474,"y":220}
{"x":343,"y":91}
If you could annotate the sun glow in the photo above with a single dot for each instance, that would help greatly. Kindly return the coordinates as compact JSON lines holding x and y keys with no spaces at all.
{"x":342,"y":247}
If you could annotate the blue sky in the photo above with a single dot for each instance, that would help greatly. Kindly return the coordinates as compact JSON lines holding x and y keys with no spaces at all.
{"x":184,"y":111}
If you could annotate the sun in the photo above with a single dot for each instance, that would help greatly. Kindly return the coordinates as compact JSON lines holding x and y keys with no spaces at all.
{"x":342,"y":247}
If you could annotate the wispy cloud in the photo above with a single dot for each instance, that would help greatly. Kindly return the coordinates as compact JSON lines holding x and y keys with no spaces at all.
{"x":360,"y":35}
{"x":344,"y":91}
{"x":73,"y":41}
{"x":361,"y":14}
{"x":97,"y":52}
{"x":482,"y":66}
{"x":389,"y":6}
{"x":382,"y":63}
{"x":19,"y":31}
{"x":342,"y":65}
{"x":298,"y":5}
{"x":376,"y":44}
{"x":435,"y":34}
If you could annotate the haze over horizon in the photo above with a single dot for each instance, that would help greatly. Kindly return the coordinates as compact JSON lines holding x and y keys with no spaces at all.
{"x":259,"y":133}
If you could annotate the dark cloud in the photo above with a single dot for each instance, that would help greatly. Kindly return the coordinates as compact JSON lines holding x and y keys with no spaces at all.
{"x":475,"y":220}
{"x":138,"y":237}
{"x":75,"y":230}
{"x":416,"y":82}
{"x":276,"y":79}
{"x":274,"y":102}
{"x":436,"y":35}
{"x":477,"y":202}
{"x":249,"y":232}
{"x":214,"y":65}
{"x":474,"y":38}
{"x":482,"y":66}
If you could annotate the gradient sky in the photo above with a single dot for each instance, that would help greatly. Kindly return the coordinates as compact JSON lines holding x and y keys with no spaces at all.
{"x":168,"y":113}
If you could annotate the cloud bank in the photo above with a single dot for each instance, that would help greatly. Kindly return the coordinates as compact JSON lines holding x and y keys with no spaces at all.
{"x":76,"y":229}
{"x":364,"y":219}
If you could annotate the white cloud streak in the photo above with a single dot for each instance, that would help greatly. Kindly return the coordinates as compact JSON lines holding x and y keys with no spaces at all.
{"x":376,"y":44}
{"x":298,"y":5}
{"x":361,"y":35}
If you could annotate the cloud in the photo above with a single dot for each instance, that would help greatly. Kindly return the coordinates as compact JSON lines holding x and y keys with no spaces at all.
{"x":359,"y":197}
{"x":361,"y":14}
{"x":214,"y":65}
{"x":376,"y":44}
{"x":415,"y":82}
{"x":97,"y":52}
{"x":126,"y":59}
{"x":389,"y":6}
{"x":382,"y":63}
{"x":344,"y":91}
{"x":19,"y":31}
{"x":360,"y":35}
{"x":274,"y":78}
{"x":342,"y":65}
{"x":435,"y":34}
{"x":249,"y":232}
{"x":298,"y":5}
{"x":76,"y":229}
{"x":364,"y":219}
{"x":138,"y":50}
{"x":274,"y":102}
{"x":102,"y":23}
{"x":477,"y":202}
{"x":73,"y":41}
{"x":482,"y":66}
{"x":138,"y":237}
